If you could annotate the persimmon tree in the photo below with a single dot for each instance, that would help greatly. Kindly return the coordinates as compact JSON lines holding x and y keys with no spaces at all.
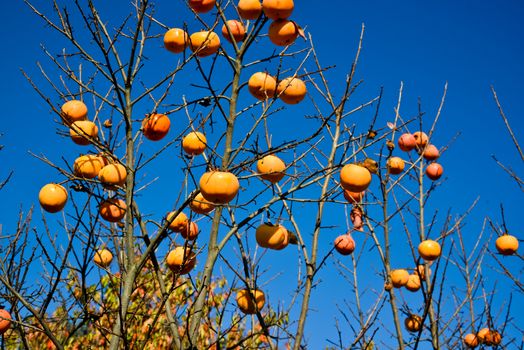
{"x":187,"y":267}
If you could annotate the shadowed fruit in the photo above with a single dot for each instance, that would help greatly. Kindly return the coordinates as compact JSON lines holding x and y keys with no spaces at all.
{"x":82,"y":131}
{"x":271,"y":236}
{"x":413,"y":323}
{"x":156,"y":126}
{"x":114,"y":174}
{"x":202,"y":6}
{"x":431,"y":153}
{"x":190,"y":231}
{"x":179,"y":223}
{"x":5,"y":321}
{"x":181,"y":260}
{"x":88,"y":166}
{"x":112,"y":210}
{"x":434,"y":171}
{"x":471,"y":340}
{"x":399,"y":277}
{"x":248,"y":302}
{"x":200,"y":205}
{"x":407,"y":142}
{"x":395,"y":165}
{"x":507,"y":244}
{"x":354,"y":197}
{"x":103,"y":257}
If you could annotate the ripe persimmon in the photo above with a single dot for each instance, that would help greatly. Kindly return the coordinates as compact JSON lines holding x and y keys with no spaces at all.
{"x":395,"y":165}
{"x":283,"y":32}
{"x":178,"y":223}
{"x":237,"y":30}
{"x":82,"y":131}
{"x":471,"y":340}
{"x":181,"y":260}
{"x":200,"y":205}
{"x":355,"y":178}
{"x":250,"y":301}
{"x":202,"y":6}
{"x":262,"y":85}
{"x":434,"y":171}
{"x":112,"y":209}
{"x":52,"y":197}
{"x":407,"y":142}
{"x":413,"y":323}
{"x":345,"y":244}
{"x":291,"y":90}
{"x":507,"y":244}
{"x":431,"y":152}
{"x":219,"y":186}
{"x":354,"y":197}
{"x":271,"y":168}
{"x":156,"y":126}
{"x":429,"y":250}
{"x":194,"y":143}
{"x":88,"y":166}
{"x":103,"y":257}
{"x":5,"y":321}
{"x":73,"y":110}
{"x":278,"y":9}
{"x":399,"y":277}
{"x":249,"y":9}
{"x":271,"y":236}
{"x":176,"y":40}
{"x":113,"y":174}
{"x":190,"y":231}
{"x":421,"y":139}
{"x":204,"y":43}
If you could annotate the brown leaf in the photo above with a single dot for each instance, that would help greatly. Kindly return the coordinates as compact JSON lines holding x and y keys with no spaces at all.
{"x":371,"y":165}
{"x":292,"y":238}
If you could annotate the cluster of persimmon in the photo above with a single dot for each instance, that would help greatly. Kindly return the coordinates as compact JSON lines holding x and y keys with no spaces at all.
{"x":282,"y":32}
{"x":485,"y":336}
{"x":402,"y":278}
{"x":418,"y":141}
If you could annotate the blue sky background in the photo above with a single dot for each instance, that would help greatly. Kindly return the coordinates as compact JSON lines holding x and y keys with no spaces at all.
{"x":470,"y":45}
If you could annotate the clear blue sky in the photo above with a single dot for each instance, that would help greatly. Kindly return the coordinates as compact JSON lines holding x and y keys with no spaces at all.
{"x":470,"y":45}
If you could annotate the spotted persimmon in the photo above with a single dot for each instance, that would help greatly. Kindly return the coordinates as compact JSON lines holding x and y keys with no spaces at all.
{"x":421,"y":139}
{"x":278,"y":9}
{"x":52,"y":197}
{"x":434,"y":171}
{"x":355,"y":178}
{"x":407,"y":142}
{"x":291,"y":90}
{"x":176,"y":40}
{"x":204,"y":43}
{"x":73,"y":110}
{"x":156,"y":126}
{"x":395,"y":165}
{"x":262,"y":85}
{"x":283,"y":32}
{"x":345,"y":244}
{"x":431,"y":152}
{"x":271,"y":168}
{"x":219,"y":186}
